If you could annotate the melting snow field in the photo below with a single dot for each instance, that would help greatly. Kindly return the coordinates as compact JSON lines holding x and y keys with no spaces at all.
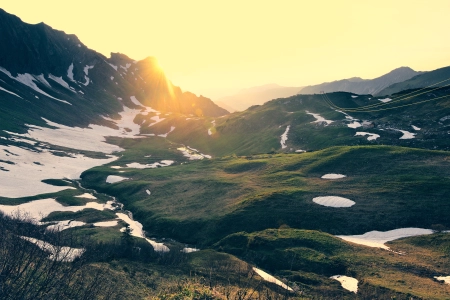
{"x":57,"y":253}
{"x":29,"y":168}
{"x":371,"y":136}
{"x":332,"y":176}
{"x":63,"y":225}
{"x":284,"y":137}
{"x":137,"y":231}
{"x":319,"y":118}
{"x":348,"y":283}
{"x":115,"y":178}
{"x":334,"y":201}
{"x":270,"y":278}
{"x":379,"y":238}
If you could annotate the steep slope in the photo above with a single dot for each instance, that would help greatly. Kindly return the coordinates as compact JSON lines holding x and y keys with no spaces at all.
{"x":47,"y":73}
{"x":257,"y":96}
{"x":436,"y":78}
{"x":362,"y":86}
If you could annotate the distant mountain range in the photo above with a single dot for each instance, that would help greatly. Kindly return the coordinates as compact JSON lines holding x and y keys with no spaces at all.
{"x":48,"y":73}
{"x":435,"y":78}
{"x":256,"y":96}
{"x":361,"y":86}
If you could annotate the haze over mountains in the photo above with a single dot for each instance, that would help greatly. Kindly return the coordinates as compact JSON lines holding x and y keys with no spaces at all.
{"x":260,"y":94}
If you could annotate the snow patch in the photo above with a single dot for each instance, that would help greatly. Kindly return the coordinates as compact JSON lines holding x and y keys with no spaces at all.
{"x":61,"y":82}
{"x":106,"y":224}
{"x":28,"y":80}
{"x":137,"y":231}
{"x":348,"y":283}
{"x":87,"y":196}
{"x":189,"y":250}
{"x":115,"y":178}
{"x":355,"y":125}
{"x":372,"y":136}
{"x":63,"y":225}
{"x":319,"y":118}
{"x":446,"y":279}
{"x":58,"y":253}
{"x":284,"y":137}
{"x":333,"y":176}
{"x":70,"y":72}
{"x":172,"y":128}
{"x":353,"y":96}
{"x":378,"y":239}
{"x":415,"y":127}
{"x":406,"y":135}
{"x":135,"y":101}
{"x":385,"y":100}
{"x":5,"y":90}
{"x":269,"y":278}
{"x":333,"y":201}
{"x":192,"y":154}
{"x":163,"y":163}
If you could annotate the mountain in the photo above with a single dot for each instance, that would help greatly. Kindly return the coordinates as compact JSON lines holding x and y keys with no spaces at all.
{"x":436,"y":78}
{"x":115,"y":184}
{"x":45,"y":73}
{"x":256,"y":96}
{"x":362,"y":86}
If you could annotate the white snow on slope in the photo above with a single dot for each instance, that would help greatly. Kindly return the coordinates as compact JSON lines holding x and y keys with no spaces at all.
{"x":91,"y":138}
{"x":5,"y":90}
{"x":70,"y":72}
{"x":372,"y":136}
{"x":269,"y":278}
{"x":348,"y":283}
{"x":28,"y":80}
{"x":63,"y":225}
{"x":355,"y":125}
{"x":172,"y":128}
{"x":157,"y":119}
{"x":115,"y":178}
{"x":106,"y":223}
{"x":406,"y":135}
{"x":135,"y":101}
{"x":385,"y":100}
{"x":87,"y":196}
{"x":86,"y":72}
{"x":58,"y":253}
{"x":61,"y":82}
{"x":42,"y":79}
{"x":189,"y":250}
{"x":163,"y":163}
{"x":415,"y":127}
{"x":284,"y":137}
{"x":192,"y":154}
{"x":353,"y":96}
{"x":333,"y":201}
{"x":24,"y":177}
{"x":319,"y":118}
{"x":113,"y":66}
{"x":137,"y":231}
{"x":39,"y":209}
{"x":378,"y":238}
{"x":333,"y":176}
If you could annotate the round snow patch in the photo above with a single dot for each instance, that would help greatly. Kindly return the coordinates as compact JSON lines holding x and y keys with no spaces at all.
{"x":333,"y":176}
{"x":333,"y":201}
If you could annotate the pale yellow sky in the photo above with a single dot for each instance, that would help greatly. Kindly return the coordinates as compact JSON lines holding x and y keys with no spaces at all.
{"x":216,"y":47}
